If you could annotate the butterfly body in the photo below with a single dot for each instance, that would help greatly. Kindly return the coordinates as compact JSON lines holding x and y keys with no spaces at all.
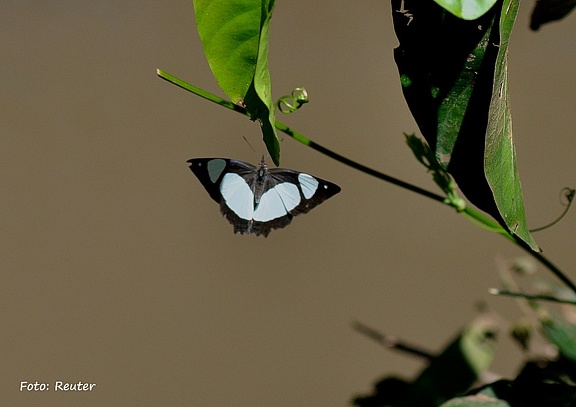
{"x":258,"y":199}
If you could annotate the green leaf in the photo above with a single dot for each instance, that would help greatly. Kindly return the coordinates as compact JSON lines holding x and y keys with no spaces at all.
{"x":467,"y":9}
{"x":500,"y":155}
{"x":258,"y":99}
{"x":452,"y":73}
{"x":235,"y":39}
{"x":453,"y":107}
{"x":230,"y":34}
{"x":561,"y":333}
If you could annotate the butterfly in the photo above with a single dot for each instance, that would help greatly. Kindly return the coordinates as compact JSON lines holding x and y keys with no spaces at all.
{"x":258,"y":199}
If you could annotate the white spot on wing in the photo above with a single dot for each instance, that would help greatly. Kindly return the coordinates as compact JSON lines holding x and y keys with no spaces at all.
{"x":237,"y":195}
{"x":277,"y":202}
{"x":215,"y":168}
{"x":309,"y":185}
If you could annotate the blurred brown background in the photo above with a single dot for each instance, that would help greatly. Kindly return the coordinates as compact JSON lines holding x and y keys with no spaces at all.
{"x":117,"y":268}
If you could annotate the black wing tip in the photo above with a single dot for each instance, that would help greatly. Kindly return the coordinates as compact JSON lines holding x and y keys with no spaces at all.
{"x":198,"y":159}
{"x":332,"y":188}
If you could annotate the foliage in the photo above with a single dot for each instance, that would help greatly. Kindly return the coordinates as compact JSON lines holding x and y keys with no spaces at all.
{"x":454,"y":78}
{"x":544,"y":380}
{"x":465,"y":9}
{"x":235,"y":38}
{"x":452,"y":63}
{"x":469,"y":355}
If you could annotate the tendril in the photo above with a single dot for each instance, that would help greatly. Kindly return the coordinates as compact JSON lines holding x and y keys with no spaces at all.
{"x":566,"y":199}
{"x":290,"y":103}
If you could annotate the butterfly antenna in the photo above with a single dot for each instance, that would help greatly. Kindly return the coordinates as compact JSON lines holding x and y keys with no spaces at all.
{"x":264,"y":157}
{"x":247,"y":142}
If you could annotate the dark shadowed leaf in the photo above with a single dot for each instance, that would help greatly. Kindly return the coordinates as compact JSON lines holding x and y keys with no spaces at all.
{"x":448,"y":375}
{"x":457,"y":368}
{"x":546,"y":11}
{"x":453,"y":75}
{"x":540,"y":383}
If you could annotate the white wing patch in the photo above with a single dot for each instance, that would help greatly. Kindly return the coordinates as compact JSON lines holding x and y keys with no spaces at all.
{"x":277,"y":202}
{"x":215,"y":168}
{"x":238,"y":195}
{"x":309,"y":185}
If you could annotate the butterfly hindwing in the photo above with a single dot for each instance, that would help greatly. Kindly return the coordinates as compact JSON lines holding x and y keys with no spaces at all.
{"x":256,"y":199}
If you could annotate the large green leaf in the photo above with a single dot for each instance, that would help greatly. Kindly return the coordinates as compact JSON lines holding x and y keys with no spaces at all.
{"x":453,"y":75}
{"x":500,"y":155}
{"x":230,"y":34}
{"x":235,"y":36}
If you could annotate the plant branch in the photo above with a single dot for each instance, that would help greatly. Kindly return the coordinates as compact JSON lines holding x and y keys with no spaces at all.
{"x":548,"y":264}
{"x":470,"y":213}
{"x":367,"y":170}
{"x":391,"y":342}
{"x":538,"y":297}
{"x":300,"y":137}
{"x":200,"y":92}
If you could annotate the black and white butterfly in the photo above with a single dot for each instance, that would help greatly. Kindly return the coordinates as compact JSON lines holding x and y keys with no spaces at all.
{"x":257,"y":199}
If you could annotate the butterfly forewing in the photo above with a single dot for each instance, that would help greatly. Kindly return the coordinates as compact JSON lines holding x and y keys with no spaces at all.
{"x":313,"y":190}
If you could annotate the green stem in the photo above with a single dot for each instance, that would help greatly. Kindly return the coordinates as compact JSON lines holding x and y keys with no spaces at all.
{"x":470,"y":213}
{"x":367,"y":170}
{"x":549,"y":265}
{"x":200,"y":92}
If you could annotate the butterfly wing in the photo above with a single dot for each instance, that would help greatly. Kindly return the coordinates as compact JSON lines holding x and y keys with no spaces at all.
{"x":313,"y":190}
{"x":255,"y":203}
{"x":229,"y":183}
{"x":289,"y":193}
{"x":211,"y":171}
